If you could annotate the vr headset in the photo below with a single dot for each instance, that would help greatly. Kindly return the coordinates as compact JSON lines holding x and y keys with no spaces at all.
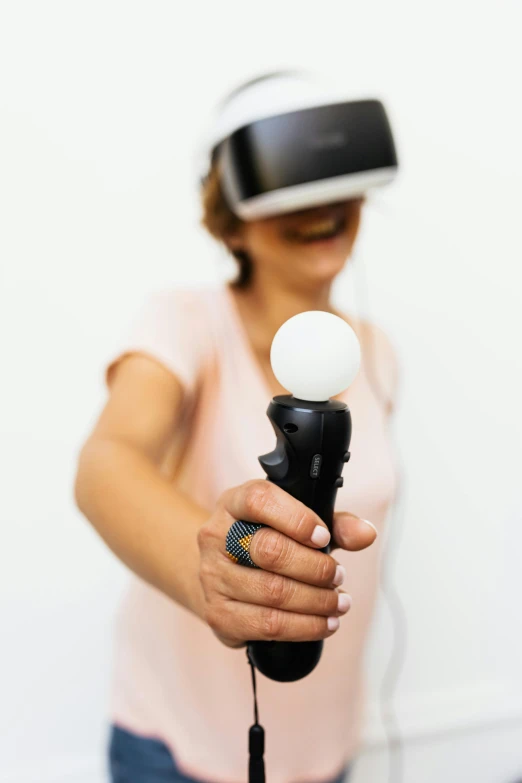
{"x":282,"y":143}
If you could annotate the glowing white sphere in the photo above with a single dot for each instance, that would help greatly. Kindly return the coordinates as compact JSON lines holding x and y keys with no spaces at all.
{"x":315,"y":355}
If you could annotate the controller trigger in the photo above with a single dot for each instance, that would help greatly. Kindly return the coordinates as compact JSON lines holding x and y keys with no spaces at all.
{"x":275,"y":463}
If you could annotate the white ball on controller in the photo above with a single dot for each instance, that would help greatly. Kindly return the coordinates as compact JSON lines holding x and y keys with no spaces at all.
{"x":315,"y":355}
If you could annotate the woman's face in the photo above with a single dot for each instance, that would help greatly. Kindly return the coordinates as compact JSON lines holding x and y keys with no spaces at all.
{"x":304,"y":248}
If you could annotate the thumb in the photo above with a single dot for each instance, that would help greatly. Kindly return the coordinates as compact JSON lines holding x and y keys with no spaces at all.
{"x":352,"y":533}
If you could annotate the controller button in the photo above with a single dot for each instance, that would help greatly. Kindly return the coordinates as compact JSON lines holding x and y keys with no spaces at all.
{"x":339,"y":482}
{"x":346,"y":456}
{"x":315,"y":466}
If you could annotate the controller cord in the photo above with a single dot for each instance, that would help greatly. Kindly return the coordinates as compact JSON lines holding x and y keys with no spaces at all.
{"x":256,"y":737}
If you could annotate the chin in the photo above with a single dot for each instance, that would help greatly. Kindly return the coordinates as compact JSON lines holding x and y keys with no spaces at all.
{"x":321,"y":267}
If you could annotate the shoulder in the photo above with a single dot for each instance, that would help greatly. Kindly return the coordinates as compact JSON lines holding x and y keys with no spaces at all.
{"x":382,"y":342}
{"x":379,"y":360}
{"x":185,"y":299}
{"x":174,"y":327}
{"x":188,"y":311}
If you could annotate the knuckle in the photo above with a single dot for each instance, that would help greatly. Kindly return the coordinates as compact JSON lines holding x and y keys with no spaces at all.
{"x":270,"y":549}
{"x":224,"y":499}
{"x":325,"y":569}
{"x":329,"y":602}
{"x":257,"y":494}
{"x":318,"y":628}
{"x":301,"y":523}
{"x":204,"y":536}
{"x":276,"y":591}
{"x":271,"y":623}
{"x":212,"y":618}
{"x":206,"y":571}
{"x":219,"y":620}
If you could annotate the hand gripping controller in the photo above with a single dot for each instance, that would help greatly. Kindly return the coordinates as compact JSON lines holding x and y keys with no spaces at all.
{"x":317,"y":355}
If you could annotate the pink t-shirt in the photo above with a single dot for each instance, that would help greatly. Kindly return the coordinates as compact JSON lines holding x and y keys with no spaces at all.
{"x":173,"y":679}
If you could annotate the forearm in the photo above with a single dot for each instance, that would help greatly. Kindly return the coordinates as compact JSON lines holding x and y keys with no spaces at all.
{"x":144,"y":520}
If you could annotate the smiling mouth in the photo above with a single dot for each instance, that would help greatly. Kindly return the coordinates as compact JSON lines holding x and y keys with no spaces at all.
{"x":318,"y":230}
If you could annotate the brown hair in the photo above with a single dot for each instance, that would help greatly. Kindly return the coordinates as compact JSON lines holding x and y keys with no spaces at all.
{"x":220,"y":222}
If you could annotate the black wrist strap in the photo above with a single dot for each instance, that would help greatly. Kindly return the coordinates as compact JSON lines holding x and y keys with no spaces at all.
{"x":256,"y":737}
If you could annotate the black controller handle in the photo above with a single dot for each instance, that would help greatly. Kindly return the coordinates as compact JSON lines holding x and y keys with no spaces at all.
{"x":312,"y":446}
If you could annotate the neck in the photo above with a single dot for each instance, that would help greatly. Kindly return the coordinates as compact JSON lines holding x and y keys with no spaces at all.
{"x":266,"y":304}
{"x":275,"y":304}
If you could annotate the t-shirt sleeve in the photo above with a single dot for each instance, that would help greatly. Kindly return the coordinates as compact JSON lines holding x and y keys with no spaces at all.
{"x":169,"y":328}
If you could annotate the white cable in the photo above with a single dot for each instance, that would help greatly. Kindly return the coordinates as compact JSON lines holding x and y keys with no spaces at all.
{"x":395,"y":529}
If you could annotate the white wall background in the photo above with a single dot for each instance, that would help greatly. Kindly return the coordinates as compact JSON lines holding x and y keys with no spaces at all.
{"x":100,"y":105}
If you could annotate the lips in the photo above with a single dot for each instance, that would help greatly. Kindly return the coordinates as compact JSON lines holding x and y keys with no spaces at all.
{"x":323,"y":229}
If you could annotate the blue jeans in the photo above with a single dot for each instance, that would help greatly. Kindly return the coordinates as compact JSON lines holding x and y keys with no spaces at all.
{"x":134,"y":759}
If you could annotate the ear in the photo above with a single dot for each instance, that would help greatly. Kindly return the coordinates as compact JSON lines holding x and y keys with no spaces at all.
{"x":235,"y":240}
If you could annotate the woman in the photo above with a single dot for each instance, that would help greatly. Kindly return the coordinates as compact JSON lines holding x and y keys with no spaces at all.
{"x":172,"y":462}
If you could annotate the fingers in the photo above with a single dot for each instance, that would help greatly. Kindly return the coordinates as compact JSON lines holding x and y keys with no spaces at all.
{"x":293,"y":595}
{"x":264,"y":502}
{"x":273,"y":551}
{"x":352,"y":533}
{"x":273,"y":590}
{"x":249,"y":604}
{"x":269,"y":624}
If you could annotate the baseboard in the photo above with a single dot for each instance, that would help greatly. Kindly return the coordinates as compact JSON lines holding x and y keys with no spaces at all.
{"x":441,"y":712}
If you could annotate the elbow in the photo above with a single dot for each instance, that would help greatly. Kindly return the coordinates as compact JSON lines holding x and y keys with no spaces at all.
{"x":96,"y":461}
{"x":81,"y":480}
{"x":90,"y":467}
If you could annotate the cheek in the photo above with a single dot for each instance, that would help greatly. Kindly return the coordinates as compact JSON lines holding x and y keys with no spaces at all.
{"x":266,"y":243}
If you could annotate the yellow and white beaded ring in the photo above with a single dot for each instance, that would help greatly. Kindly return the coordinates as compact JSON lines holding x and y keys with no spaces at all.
{"x":239,"y":538}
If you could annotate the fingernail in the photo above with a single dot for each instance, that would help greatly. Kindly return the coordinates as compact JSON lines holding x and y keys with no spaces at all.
{"x":321,"y":535}
{"x":340,"y":574}
{"x":344,"y":602}
{"x":333,"y":623}
{"x":367,"y":522}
